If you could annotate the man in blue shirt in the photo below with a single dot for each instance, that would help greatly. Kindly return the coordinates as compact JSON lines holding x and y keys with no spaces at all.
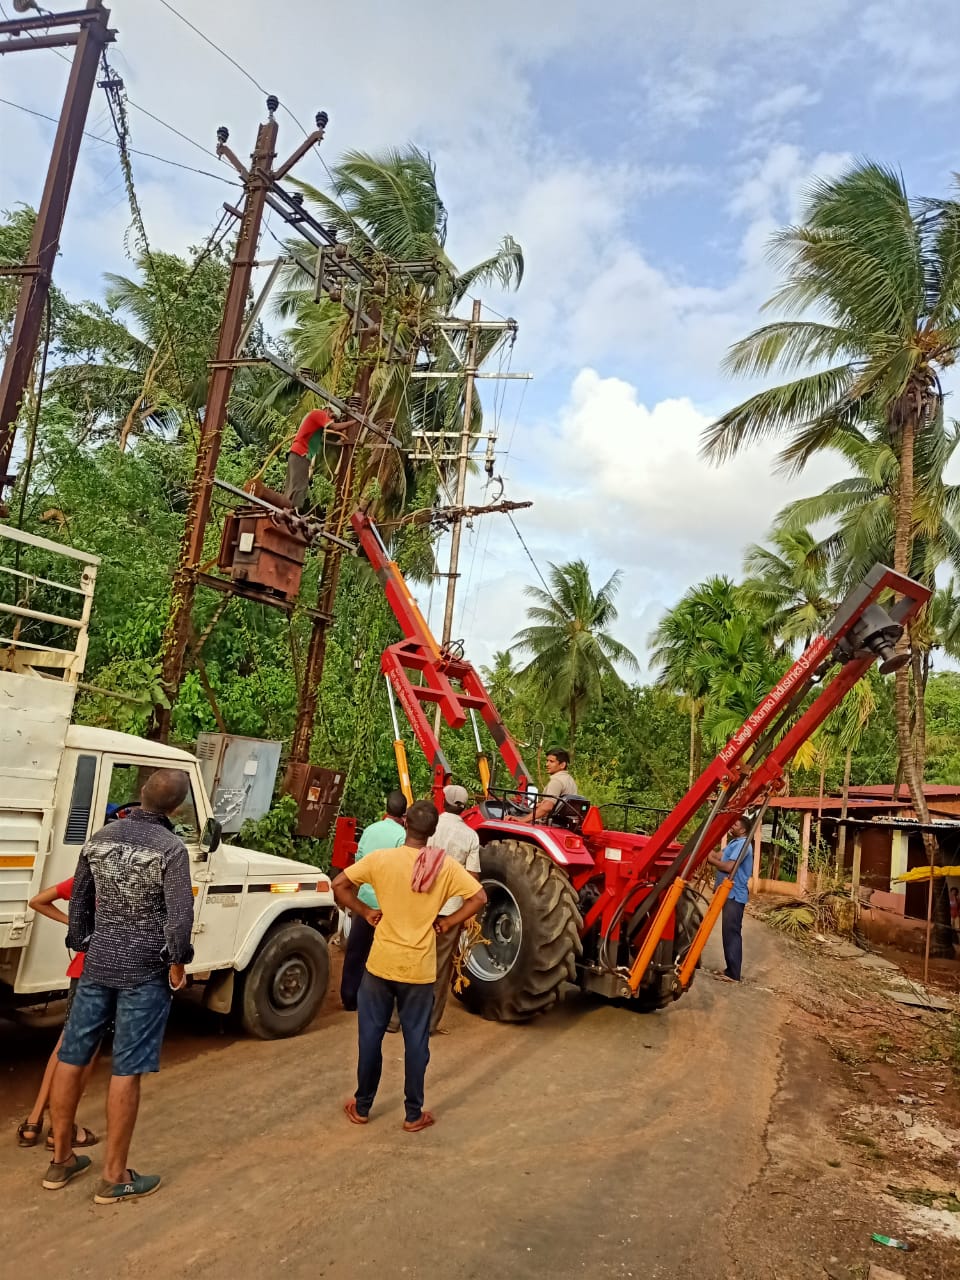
{"x":725,"y":860}
{"x":388,"y":833}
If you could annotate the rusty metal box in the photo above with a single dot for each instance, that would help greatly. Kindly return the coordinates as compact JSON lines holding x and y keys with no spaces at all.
{"x":258,"y":550}
{"x":317,"y":792}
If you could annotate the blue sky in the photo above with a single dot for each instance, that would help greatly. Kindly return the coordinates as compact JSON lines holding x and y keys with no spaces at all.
{"x":641,"y":153}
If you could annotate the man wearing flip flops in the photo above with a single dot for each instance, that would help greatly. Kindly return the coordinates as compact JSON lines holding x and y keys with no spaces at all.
{"x":412,"y":883}
{"x":131,"y":911}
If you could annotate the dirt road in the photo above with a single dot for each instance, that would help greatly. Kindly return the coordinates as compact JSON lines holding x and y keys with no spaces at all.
{"x":593,"y":1142}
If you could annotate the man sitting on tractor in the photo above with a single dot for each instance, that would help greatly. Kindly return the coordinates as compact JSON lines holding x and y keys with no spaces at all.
{"x":561,"y":784}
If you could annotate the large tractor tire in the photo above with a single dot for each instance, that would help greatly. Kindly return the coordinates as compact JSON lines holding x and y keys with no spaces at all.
{"x":531,"y":930}
{"x":663,"y":990}
{"x":281,"y":992}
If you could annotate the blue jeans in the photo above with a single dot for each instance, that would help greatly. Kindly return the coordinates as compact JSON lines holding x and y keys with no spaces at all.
{"x":733,"y":937}
{"x":355,"y":961}
{"x":139,"y":1015}
{"x":375,"y":1001}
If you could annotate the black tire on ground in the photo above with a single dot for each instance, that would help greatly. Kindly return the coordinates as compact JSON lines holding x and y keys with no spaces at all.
{"x":663,"y":992}
{"x":283,"y":988}
{"x":532,"y":927}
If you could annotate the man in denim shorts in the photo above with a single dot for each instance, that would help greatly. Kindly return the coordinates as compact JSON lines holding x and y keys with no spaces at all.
{"x":131,"y":911}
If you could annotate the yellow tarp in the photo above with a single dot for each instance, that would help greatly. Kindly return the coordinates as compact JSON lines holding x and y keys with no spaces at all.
{"x":923,"y":873}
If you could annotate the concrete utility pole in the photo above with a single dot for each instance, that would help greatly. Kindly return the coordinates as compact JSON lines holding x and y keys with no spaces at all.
{"x":464,"y":457}
{"x":426,"y":451}
{"x":43,"y":32}
{"x":258,"y":182}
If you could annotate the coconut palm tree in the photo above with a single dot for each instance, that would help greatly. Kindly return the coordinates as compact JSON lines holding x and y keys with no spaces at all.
{"x":861,"y":508}
{"x":501,"y":677}
{"x":677,"y":644}
{"x":571,"y":650}
{"x":387,"y":210}
{"x":944,"y":618}
{"x":140,"y":361}
{"x":788,"y":583}
{"x":874,"y":279}
{"x":736,"y":666}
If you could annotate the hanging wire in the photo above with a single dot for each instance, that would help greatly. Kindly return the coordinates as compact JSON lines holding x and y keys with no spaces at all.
{"x":536,"y":567}
{"x":117,"y":100}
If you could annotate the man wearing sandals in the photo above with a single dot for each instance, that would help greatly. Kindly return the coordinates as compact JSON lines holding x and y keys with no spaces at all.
{"x":131,"y":911}
{"x":29,"y":1133}
{"x":411,"y":883}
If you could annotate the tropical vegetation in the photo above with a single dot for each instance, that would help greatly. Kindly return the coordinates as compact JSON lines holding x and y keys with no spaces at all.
{"x":868,"y":320}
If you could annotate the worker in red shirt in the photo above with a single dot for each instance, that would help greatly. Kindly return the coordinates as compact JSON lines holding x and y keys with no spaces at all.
{"x":307,"y":443}
{"x":28,"y":1134}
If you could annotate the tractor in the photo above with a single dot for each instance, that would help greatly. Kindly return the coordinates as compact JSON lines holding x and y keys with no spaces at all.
{"x":569,"y":900}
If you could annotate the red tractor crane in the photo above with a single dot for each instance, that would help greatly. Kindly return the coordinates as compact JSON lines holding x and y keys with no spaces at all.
{"x":613,"y":911}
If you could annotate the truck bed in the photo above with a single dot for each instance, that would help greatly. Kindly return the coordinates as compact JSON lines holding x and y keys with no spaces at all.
{"x":34,"y":718}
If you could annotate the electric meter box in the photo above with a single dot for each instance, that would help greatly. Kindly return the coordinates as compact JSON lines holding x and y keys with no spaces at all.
{"x":240,"y":775}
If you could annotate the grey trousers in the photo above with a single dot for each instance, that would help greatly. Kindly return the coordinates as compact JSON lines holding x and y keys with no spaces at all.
{"x":446,"y":946}
{"x":297,"y":481}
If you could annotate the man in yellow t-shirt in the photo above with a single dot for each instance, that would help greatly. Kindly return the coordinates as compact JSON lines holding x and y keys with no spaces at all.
{"x":402,"y":964}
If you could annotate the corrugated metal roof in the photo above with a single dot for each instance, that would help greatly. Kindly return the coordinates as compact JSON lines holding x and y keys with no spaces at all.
{"x":831,"y":804}
{"x":885,"y":791}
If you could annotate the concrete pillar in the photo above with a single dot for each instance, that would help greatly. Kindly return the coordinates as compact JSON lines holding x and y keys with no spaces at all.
{"x":899,"y":848}
{"x":804,"y":852}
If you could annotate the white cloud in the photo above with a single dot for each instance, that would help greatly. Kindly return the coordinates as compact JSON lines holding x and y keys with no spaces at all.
{"x":681,"y":95}
{"x":918,"y":58}
{"x":697,"y":103}
{"x":622,"y":485}
{"x":783,"y":102}
{"x":775,"y":184}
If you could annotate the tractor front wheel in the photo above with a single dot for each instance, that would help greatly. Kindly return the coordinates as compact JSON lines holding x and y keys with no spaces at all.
{"x":531,"y":934}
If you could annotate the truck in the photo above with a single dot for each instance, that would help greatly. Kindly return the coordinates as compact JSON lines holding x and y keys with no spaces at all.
{"x":571,"y":899}
{"x":261,"y":923}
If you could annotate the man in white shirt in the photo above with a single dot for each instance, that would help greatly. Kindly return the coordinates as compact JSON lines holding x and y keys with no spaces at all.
{"x":462,"y":843}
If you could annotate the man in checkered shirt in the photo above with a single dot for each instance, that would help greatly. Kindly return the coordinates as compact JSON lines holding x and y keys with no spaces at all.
{"x":131,"y":911}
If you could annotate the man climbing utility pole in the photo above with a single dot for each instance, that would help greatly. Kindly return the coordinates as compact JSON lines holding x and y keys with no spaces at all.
{"x":257,"y":181}
{"x":44,"y":31}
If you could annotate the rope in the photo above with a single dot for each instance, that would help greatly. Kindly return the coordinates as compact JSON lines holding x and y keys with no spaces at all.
{"x":471,"y":937}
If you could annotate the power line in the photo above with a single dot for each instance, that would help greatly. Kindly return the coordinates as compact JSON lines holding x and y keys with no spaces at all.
{"x":186,"y":137}
{"x":111,"y":142}
{"x":213,"y":45}
{"x":193,"y":142}
{"x":252,"y":79}
{"x":529,"y":553}
{"x":233,"y":62}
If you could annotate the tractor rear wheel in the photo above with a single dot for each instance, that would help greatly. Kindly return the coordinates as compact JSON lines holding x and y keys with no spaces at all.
{"x":531,"y":930}
{"x":663,"y":990}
